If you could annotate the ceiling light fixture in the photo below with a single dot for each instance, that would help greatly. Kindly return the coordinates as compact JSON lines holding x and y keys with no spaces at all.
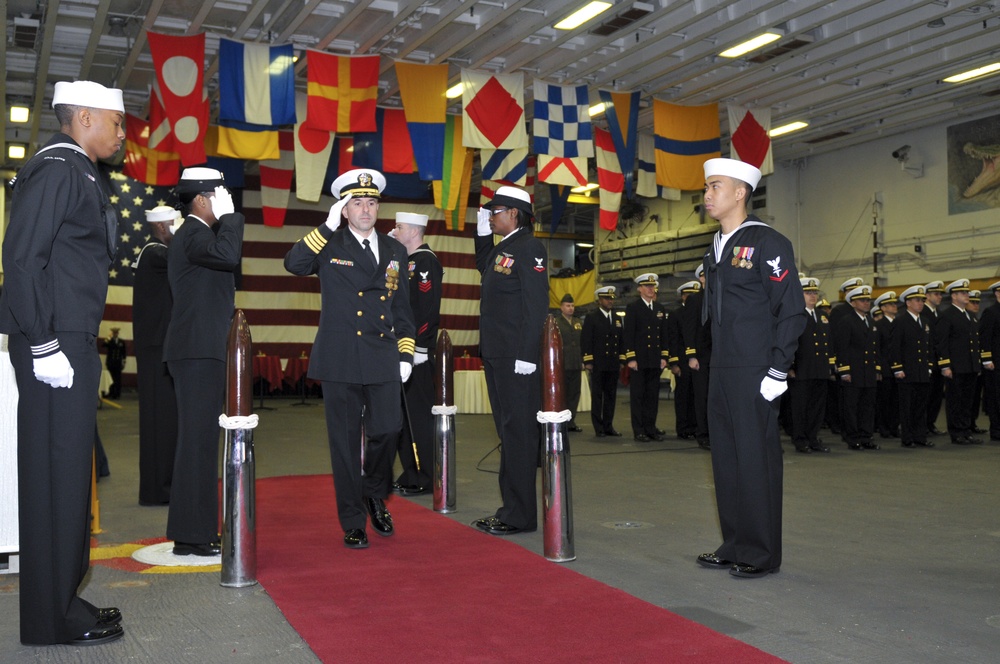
{"x":973,"y":73}
{"x":788,"y":128}
{"x":752,"y":44}
{"x":454,"y":92}
{"x":16,"y":151}
{"x":19,"y":113}
{"x":582,"y":15}
{"x":597,"y":109}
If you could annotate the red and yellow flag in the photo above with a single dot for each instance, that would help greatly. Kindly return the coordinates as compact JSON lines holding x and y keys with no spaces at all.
{"x":142,"y":162}
{"x":342,"y":92}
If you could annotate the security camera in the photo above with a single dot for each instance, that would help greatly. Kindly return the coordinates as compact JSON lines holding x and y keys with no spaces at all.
{"x":900,"y":154}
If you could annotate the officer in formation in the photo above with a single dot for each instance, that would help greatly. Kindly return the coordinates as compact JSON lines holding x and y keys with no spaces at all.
{"x":683,"y":324}
{"x":646,"y":355}
{"x":934,"y":292}
{"x":975,"y":297}
{"x":886,"y":395}
{"x":151,"y":305}
{"x":601,"y":346}
{"x":364,"y":347}
{"x":115,"y":362}
{"x":956,"y":340}
{"x":201,"y":262}
{"x":810,"y":374}
{"x":700,"y":363}
{"x":416,"y":441}
{"x":911,"y":358}
{"x":570,"y":329}
{"x":989,"y":346}
{"x":855,"y":344}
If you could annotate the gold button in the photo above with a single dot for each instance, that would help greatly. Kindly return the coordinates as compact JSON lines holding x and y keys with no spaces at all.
{"x":359,"y":313}
{"x":360,"y":293}
{"x":382,"y":298}
{"x":359,"y":333}
{"x":381,"y":317}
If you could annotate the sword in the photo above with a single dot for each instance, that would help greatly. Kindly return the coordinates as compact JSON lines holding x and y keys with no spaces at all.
{"x":409,"y":425}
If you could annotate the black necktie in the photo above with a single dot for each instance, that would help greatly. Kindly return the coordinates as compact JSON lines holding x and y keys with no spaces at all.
{"x":371,"y":254}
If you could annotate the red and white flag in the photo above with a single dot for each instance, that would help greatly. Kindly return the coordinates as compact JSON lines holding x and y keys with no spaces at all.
{"x":748,"y":128}
{"x":571,"y":171}
{"x":493,"y":111}
{"x":609,"y":177}
{"x":179,"y":63}
{"x":276,"y":181}
{"x":312,"y":154}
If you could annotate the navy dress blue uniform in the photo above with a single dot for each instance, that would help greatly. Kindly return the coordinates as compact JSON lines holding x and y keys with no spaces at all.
{"x":701,"y":344}
{"x":57,"y":249}
{"x":935,"y":398}
{"x":201,"y":263}
{"x":911,"y":358}
{"x":570,"y":332}
{"x":956,"y":339}
{"x":813,"y":367}
{"x":600,"y":342}
{"x":514,"y":299}
{"x":115,"y":362}
{"x":645,"y":340}
{"x":365,"y":331}
{"x":755,"y":304}
{"x":855,"y":344}
{"x":887,"y":392}
{"x":989,"y":346}
{"x":425,"y":282}
{"x":151,"y":306}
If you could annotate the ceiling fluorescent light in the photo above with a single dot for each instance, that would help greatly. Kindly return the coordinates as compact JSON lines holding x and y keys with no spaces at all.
{"x":19,"y":113}
{"x":582,"y":15}
{"x":788,"y":128}
{"x":973,"y":73}
{"x":597,"y":109}
{"x":454,"y":92}
{"x":15,"y":151}
{"x":752,"y":44}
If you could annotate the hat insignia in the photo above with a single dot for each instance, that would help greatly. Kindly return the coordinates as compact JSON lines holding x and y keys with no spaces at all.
{"x":365,"y":180}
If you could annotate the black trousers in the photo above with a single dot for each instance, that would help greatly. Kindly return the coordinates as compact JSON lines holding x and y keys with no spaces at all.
{"x":887,"y":407}
{"x":200,"y":387}
{"x":808,"y":404}
{"x":746,"y":465}
{"x":515,"y":400}
{"x":644,"y":399}
{"x":687,"y":423}
{"x":55,"y":450}
{"x":115,"y":390}
{"x":699,"y":383}
{"x":381,"y":409}
{"x":913,"y":411}
{"x":418,"y":468}
{"x":157,"y":426}
{"x":991,"y":400}
{"x":571,"y":379}
{"x":857,"y":414}
{"x":935,"y":397}
{"x":958,"y":404}
{"x":603,"y":394}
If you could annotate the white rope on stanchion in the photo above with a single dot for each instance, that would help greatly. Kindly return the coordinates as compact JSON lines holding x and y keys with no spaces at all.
{"x":444,"y":410}
{"x":546,"y":416}
{"x":239,"y":421}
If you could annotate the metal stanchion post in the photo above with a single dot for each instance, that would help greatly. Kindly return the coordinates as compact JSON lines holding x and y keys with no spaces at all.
{"x":557,"y":494}
{"x":444,"y":426}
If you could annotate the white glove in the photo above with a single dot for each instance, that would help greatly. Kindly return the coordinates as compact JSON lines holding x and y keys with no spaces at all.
{"x":333,"y":219}
{"x":419,"y":358}
{"x":178,"y":220}
{"x":523,"y":368}
{"x":405,"y":368}
{"x":771,"y":389}
{"x":392,"y":233}
{"x":54,"y":370}
{"x":483,"y":222}
{"x":222,"y":202}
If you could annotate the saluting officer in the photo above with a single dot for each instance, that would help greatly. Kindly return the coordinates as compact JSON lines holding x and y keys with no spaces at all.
{"x":363,"y":349}
{"x":911,"y":356}
{"x":646,"y":354}
{"x":989,"y":346}
{"x":855,"y":345}
{"x":810,"y":374}
{"x":931,"y":315}
{"x":886,"y":394}
{"x":601,"y":345}
{"x":956,"y":338}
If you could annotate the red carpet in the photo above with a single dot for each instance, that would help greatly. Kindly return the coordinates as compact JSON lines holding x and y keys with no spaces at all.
{"x":477,"y":598}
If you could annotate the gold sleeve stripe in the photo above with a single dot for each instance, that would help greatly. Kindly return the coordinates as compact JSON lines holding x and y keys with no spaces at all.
{"x":406,"y":345}
{"x":315,"y":241}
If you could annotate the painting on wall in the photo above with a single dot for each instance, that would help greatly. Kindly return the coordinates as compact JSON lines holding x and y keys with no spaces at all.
{"x":974,"y":165}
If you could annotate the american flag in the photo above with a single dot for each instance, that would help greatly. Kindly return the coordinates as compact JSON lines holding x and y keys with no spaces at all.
{"x":282,"y":309}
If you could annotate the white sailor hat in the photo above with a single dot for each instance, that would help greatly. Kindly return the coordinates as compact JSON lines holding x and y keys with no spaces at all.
{"x":853,"y":282}
{"x":861,"y":291}
{"x":733,"y":168}
{"x":974,"y":295}
{"x":995,"y":285}
{"x":605,"y":291}
{"x":411,"y":218}
{"x":700,"y":270}
{"x":809,"y":283}
{"x":360,"y":183}
{"x":934,"y":287}
{"x":648,"y":279}
{"x":161,"y":213}
{"x":89,"y":94}
{"x":958,"y":286}
{"x":888,"y":297}
{"x":200,"y":179}
{"x":913,"y":291}
{"x":511,"y":197}
{"x":689,"y":287}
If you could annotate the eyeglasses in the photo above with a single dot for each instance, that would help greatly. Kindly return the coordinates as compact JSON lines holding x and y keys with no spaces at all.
{"x":496,"y":212}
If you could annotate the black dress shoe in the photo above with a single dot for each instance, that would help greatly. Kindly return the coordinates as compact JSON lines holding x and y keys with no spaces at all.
{"x":612,"y":432}
{"x":657,"y":436}
{"x":805,"y":449}
{"x":870,"y":445}
{"x":109,"y":616}
{"x":908,"y":443}
{"x":412,"y":490}
{"x":396,"y":487}
{"x":98,"y":635}
{"x":705,"y":445}
{"x":356,"y":539}
{"x":750,"y":572}
{"x":193,"y":549}
{"x":924,"y":443}
{"x":495,"y":526}
{"x":976,"y":429}
{"x":660,"y":432}
{"x":642,"y":438}
{"x":965,"y":440}
{"x":380,"y":517}
{"x":685,"y":436}
{"x":854,"y":446}
{"x":819,"y":447}
{"x":600,"y":434}
{"x":713,"y":561}
{"x":934,"y":431}
{"x":573,"y":428}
